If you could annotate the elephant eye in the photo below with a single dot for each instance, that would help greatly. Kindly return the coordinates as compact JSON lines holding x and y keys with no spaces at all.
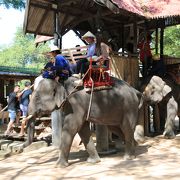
{"x":54,"y":93}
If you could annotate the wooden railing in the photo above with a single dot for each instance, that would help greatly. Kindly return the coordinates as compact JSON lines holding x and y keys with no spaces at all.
{"x":72,"y":54}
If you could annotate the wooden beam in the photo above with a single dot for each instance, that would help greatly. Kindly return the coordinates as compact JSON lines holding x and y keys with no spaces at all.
{"x":109,"y":5}
{"x":74,"y":11}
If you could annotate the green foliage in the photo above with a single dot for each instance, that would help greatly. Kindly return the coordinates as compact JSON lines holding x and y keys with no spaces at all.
{"x":16,"y":4}
{"x":23,"y":53}
{"x":172,"y":41}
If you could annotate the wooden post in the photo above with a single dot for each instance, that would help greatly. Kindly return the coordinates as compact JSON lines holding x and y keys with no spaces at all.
{"x":146,"y":120}
{"x":163,"y":67}
{"x":57,"y":32}
{"x":122,"y":36}
{"x":145,"y":57}
{"x":156,"y":118}
{"x":161,"y":43}
{"x":135,"y":37}
{"x":2,"y":90}
{"x":156,"y":43}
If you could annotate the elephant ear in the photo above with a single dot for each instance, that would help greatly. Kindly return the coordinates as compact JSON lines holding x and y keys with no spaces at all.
{"x":166,"y":90}
{"x":59,"y":91}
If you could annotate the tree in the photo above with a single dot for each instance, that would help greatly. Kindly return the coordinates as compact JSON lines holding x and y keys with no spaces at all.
{"x":171,"y":41}
{"x":17,"y":4}
{"x":23,"y":53}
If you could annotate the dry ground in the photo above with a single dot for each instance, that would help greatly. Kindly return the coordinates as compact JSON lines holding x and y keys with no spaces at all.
{"x":157,"y":158}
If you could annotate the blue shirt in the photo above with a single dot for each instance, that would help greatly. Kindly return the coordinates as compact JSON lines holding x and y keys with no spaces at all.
{"x":91,"y":50}
{"x":25,"y":97}
{"x":62,"y":62}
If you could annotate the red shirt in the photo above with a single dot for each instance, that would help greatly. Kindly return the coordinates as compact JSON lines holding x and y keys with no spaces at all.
{"x":145,"y":50}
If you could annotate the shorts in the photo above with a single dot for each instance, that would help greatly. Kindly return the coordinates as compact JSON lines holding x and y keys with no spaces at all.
{"x":12,"y":115}
{"x":24,"y":110}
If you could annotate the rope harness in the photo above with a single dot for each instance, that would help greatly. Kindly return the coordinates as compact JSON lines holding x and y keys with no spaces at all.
{"x":75,"y":89}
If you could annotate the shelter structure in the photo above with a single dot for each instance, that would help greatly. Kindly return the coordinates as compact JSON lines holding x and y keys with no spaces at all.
{"x":9,"y":76}
{"x":118,"y":20}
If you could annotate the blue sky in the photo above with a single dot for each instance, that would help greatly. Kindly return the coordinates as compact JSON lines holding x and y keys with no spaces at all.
{"x":10,"y":19}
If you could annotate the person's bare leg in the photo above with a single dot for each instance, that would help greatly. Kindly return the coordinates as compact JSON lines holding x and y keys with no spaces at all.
{"x":10,"y":124}
{"x":22,"y":127}
{"x":18,"y":117}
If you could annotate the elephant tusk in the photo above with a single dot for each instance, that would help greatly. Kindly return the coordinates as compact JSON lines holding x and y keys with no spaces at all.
{"x":146,"y":89}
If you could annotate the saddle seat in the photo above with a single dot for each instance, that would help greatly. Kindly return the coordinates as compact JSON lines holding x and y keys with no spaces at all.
{"x":98,"y":76}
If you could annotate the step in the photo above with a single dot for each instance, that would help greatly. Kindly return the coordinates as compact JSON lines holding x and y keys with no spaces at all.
{"x":43,"y":119}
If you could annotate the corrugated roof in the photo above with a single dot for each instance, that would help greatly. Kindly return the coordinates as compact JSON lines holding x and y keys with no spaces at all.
{"x":151,"y":8}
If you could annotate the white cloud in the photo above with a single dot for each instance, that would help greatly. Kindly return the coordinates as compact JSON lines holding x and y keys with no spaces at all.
{"x":10,"y":19}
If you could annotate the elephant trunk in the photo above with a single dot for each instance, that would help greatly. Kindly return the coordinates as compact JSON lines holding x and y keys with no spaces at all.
{"x":30,"y":130}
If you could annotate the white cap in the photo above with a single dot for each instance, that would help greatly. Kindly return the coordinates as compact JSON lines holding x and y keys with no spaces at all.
{"x":88,"y":34}
{"x":54,"y":48}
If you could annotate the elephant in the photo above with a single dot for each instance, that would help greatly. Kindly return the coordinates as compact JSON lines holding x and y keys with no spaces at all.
{"x":165,"y":93}
{"x":118,"y":108}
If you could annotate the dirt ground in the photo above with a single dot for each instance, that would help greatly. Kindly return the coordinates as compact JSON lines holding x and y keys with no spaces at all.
{"x":157,"y":158}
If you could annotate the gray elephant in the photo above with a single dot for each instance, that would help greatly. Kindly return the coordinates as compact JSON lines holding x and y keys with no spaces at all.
{"x":118,"y":108}
{"x":167,"y":95}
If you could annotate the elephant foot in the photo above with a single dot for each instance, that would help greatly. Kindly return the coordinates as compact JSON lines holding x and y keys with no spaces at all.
{"x":139,"y":134}
{"x":93,"y":160}
{"x":129,"y":157}
{"x":169,"y":134}
{"x":61,"y":164}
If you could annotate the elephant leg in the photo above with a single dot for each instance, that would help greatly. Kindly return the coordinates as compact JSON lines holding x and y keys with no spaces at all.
{"x":172,"y":108}
{"x":129,"y":140}
{"x":67,"y":136}
{"x":87,"y":140}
